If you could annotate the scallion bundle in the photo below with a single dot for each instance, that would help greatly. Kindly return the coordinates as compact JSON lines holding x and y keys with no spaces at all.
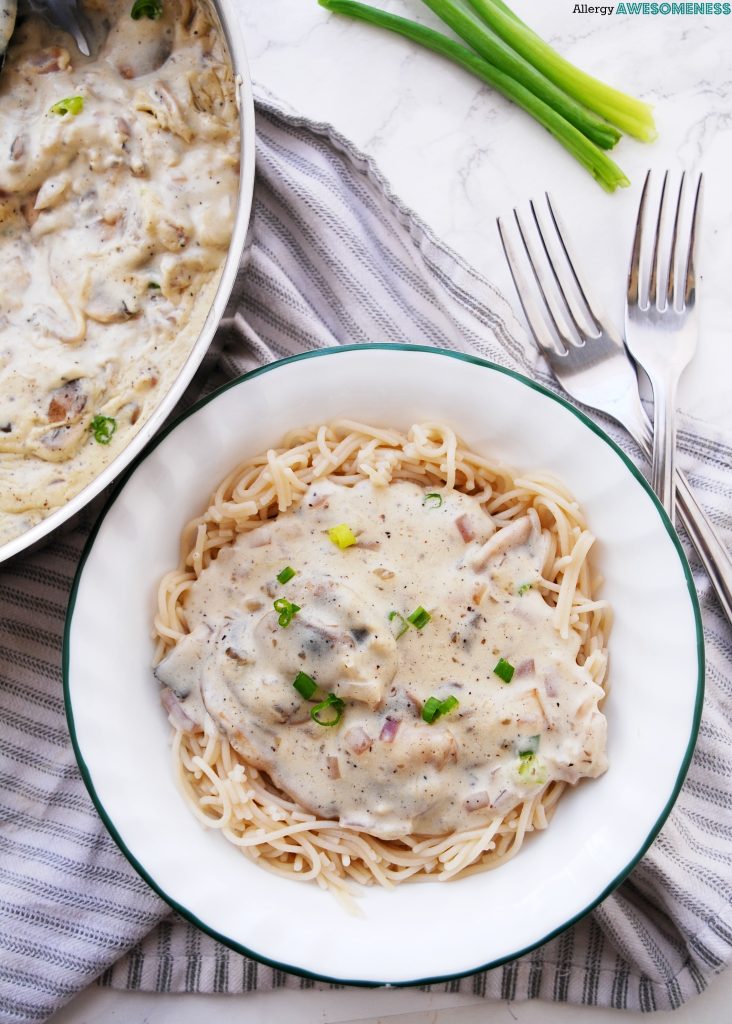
{"x":585,"y":115}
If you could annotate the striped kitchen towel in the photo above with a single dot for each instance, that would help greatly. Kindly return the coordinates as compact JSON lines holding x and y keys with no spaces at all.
{"x":336,"y":258}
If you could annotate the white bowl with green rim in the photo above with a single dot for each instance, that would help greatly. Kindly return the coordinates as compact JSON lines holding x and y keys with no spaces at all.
{"x":421,"y":932}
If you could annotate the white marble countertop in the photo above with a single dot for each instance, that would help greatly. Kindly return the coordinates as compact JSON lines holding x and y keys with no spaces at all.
{"x":460,"y":156}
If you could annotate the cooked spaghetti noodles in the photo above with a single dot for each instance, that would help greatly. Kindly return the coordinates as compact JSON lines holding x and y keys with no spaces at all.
{"x":520,"y":544}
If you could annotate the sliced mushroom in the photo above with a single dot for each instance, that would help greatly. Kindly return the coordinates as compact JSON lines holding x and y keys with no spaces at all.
{"x":161,"y":104}
{"x":58,"y":444}
{"x":67,"y":402}
{"x":207,"y":91}
{"x":17,"y":148}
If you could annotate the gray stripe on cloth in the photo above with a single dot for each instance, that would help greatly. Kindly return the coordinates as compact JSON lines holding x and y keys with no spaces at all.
{"x":336,"y":259}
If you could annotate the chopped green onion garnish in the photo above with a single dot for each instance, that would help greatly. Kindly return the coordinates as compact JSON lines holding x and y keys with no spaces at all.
{"x":504,"y":670}
{"x":103,"y":427}
{"x":530,"y":770}
{"x":286,"y":609}
{"x":330,"y":702}
{"x":419,"y":617}
{"x":152,"y":9}
{"x":448,"y":704}
{"x":305,"y":685}
{"x":432,"y":500}
{"x":434,"y":708}
{"x":523,"y":588}
{"x":342,"y":535}
{"x":399,"y":624}
{"x":286,"y":574}
{"x":431,"y":709}
{"x":529,"y":746}
{"x":71,"y":105}
{"x":153,"y":284}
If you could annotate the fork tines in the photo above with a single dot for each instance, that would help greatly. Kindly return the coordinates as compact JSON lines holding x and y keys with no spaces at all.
{"x":665,"y":285}
{"x":563,"y":314}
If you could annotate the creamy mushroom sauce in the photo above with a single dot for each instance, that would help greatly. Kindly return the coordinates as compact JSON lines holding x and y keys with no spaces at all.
{"x":114,"y":226}
{"x":382,"y":768}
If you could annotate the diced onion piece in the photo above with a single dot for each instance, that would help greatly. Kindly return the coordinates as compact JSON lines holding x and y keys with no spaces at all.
{"x":465,"y":528}
{"x":358,"y":740}
{"x":477,"y":801}
{"x":525,"y":668}
{"x":176,"y":714}
{"x":389,"y":730}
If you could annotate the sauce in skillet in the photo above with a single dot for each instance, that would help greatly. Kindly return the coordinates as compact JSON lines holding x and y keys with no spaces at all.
{"x":115,"y":221}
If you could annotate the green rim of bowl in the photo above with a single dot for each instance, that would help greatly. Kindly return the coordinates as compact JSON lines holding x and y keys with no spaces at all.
{"x":684,"y":767}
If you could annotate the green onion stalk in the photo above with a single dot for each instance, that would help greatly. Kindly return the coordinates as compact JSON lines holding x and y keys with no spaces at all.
{"x":605,"y":171}
{"x":493,"y":49}
{"x":627,"y":113}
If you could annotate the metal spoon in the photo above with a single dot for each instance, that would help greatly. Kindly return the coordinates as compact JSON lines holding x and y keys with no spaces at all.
{"x":64,"y":14}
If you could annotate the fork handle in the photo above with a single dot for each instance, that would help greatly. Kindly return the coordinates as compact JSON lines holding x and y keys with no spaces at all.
{"x":664,"y":447}
{"x":713,"y":555}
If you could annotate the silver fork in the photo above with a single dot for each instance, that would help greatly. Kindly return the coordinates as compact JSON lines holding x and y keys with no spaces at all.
{"x":588,"y":358}
{"x":661,"y":328}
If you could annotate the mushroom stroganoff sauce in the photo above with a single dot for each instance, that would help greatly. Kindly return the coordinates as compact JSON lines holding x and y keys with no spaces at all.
{"x":382,"y":652}
{"x":118,"y":184}
{"x":384,"y":769}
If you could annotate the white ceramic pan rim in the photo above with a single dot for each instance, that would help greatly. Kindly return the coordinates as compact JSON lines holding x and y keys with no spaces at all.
{"x":237,"y":53}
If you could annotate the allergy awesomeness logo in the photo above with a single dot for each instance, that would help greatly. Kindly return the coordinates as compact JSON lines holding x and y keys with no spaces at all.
{"x":654,"y":8}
